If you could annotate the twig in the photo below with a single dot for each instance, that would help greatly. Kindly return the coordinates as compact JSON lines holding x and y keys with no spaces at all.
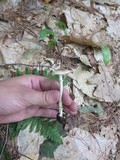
{"x":6,"y":139}
{"x":22,"y":64}
{"x":26,"y":156}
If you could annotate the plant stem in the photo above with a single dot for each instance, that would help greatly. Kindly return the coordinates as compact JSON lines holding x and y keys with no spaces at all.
{"x":6,"y":139}
{"x":61,"y":93}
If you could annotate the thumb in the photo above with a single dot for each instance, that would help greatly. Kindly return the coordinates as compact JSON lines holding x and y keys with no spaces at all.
{"x":44,"y":98}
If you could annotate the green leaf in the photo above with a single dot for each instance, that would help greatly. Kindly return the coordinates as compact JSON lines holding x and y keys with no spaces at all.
{"x":50,"y":74}
{"x":46,"y":7}
{"x":18,"y":73}
{"x":38,"y":125}
{"x":27,"y":70}
{"x":51,"y":43}
{"x":33,"y":124}
{"x":13,"y":133}
{"x":49,"y":129}
{"x":44,"y":33}
{"x":65,"y":80}
{"x":47,"y":149}
{"x":61,"y":25}
{"x":35,"y":71}
{"x":106,"y":52}
{"x":92,"y":109}
{"x":23,"y":124}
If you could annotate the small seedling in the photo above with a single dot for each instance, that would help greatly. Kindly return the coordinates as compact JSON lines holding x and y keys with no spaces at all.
{"x":61,"y":25}
{"x":48,"y":33}
{"x":46,"y":8}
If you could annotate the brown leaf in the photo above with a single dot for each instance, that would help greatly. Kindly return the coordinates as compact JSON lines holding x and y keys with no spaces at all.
{"x":107,"y":90}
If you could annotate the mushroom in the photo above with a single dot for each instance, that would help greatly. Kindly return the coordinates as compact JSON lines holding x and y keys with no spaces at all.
{"x":61,"y":72}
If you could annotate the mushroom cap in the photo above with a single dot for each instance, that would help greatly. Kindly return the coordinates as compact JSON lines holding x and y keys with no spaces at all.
{"x":62,"y":71}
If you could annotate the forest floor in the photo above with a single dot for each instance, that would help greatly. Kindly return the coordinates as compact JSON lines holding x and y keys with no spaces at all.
{"x":82,"y":36}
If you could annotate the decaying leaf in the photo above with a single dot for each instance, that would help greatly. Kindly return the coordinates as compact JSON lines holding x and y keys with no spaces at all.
{"x":107,"y":89}
{"x":12,"y":53}
{"x":30,"y":146}
{"x":88,"y":29}
{"x":85,"y":146}
{"x":81,"y":77}
{"x":84,"y":60}
{"x":47,"y":1}
{"x":110,"y":2}
{"x":98,"y":55}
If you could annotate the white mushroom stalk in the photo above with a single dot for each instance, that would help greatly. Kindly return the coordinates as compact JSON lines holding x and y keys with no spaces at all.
{"x":61,"y":73}
{"x":61,"y":93}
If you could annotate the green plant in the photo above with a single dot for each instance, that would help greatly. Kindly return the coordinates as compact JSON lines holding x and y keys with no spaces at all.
{"x":48,"y":33}
{"x":46,"y":7}
{"x":61,"y":25}
{"x":50,"y":74}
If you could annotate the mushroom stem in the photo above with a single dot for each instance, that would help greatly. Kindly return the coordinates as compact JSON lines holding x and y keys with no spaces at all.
{"x":61,"y":93}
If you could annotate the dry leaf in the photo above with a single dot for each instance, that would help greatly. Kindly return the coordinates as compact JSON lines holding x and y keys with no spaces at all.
{"x":81,"y":145}
{"x":13,"y":52}
{"x":28,"y":144}
{"x":89,"y":29}
{"x":81,"y":77}
{"x":110,"y":2}
{"x":47,"y":1}
{"x":107,"y":90}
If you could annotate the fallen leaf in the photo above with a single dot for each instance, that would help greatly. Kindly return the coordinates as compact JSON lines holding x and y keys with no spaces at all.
{"x":47,"y":1}
{"x":110,"y":2}
{"x":84,"y":60}
{"x":12,"y":53}
{"x":91,"y":109}
{"x":81,"y":77}
{"x":90,"y":29}
{"x":98,"y":55}
{"x":28,"y":144}
{"x":107,"y":89}
{"x":81,"y":145}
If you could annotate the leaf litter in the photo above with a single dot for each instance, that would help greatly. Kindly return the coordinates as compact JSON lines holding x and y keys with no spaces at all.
{"x":89,"y":26}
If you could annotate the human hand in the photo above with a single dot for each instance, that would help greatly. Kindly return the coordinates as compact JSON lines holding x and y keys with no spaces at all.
{"x":28,"y":96}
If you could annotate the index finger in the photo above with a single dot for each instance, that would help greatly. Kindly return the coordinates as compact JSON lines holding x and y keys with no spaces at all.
{"x":43,"y":83}
{"x":46,"y":84}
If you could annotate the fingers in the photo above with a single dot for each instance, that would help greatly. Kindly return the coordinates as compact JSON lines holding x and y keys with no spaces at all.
{"x":48,"y":98}
{"x":72,"y":109}
{"x":40,"y":83}
{"x":34,"y":111}
{"x":24,"y":114}
{"x":45,"y":98}
{"x":68,"y":102}
{"x":43,"y":83}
